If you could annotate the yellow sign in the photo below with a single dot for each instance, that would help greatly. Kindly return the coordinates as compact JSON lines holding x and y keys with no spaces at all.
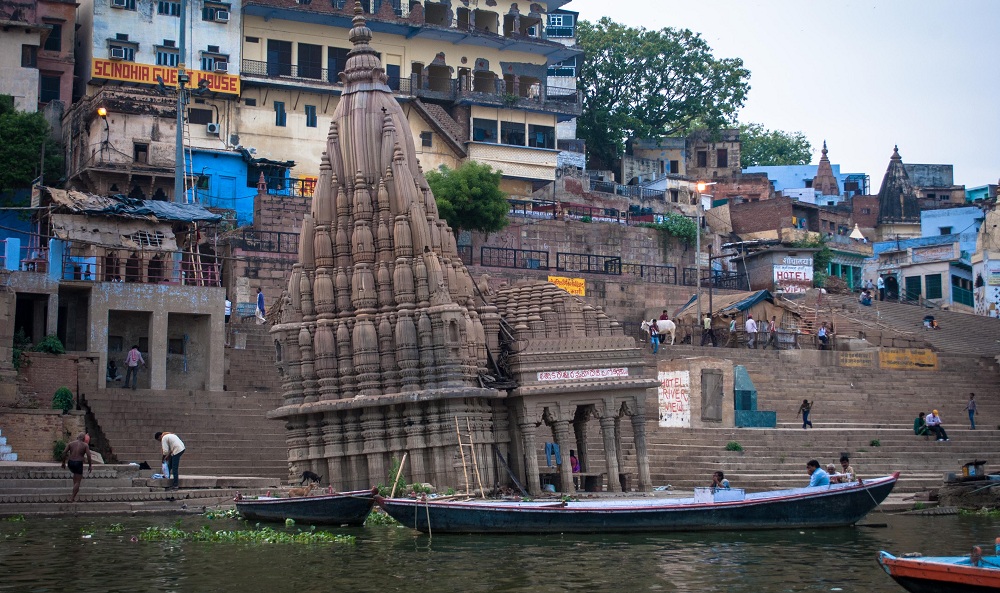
{"x":575,"y":286}
{"x":146,"y":73}
{"x":908,"y":359}
{"x":864,"y":359}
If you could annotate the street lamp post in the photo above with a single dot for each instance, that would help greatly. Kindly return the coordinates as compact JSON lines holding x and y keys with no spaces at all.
{"x":182,"y":79}
{"x":701,"y":186}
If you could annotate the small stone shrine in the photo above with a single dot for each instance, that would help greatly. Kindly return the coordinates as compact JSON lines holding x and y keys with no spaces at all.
{"x":386,"y":346}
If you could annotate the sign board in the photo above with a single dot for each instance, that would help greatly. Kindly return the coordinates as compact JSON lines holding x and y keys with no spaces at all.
{"x":992,"y":273}
{"x":793,"y":278}
{"x":674,"y":398}
{"x":583,"y":374}
{"x":920,"y":359}
{"x":862,"y":359}
{"x":703,"y":259}
{"x":574,"y":286}
{"x":124,"y":71}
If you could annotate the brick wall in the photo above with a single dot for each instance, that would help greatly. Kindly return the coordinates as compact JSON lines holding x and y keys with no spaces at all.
{"x":45,"y":373}
{"x":279,"y":213}
{"x":864,"y":211}
{"x":31,"y":433}
{"x":755,"y":217}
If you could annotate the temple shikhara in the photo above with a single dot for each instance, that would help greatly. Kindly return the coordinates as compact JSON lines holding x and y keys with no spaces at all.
{"x":387,"y":346}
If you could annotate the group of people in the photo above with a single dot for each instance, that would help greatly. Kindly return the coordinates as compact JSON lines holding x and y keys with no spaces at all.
{"x":754,"y":329}
{"x":870,"y":288}
{"x":820,"y":477}
{"x":78,"y":451}
{"x":132,"y":361}
{"x":926,"y":425}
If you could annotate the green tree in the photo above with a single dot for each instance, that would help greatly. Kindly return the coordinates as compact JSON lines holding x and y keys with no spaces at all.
{"x":646,"y":84}
{"x":469,"y":197}
{"x":763,"y":147}
{"x":21,"y":148}
{"x":821,"y":259}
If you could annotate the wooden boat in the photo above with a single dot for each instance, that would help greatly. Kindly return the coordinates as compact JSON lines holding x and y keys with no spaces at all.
{"x":945,"y":574}
{"x":343,"y":508}
{"x":832,"y":506}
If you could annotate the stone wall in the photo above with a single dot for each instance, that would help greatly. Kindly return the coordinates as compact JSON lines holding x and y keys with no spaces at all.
{"x":44,"y":373}
{"x":32,"y":433}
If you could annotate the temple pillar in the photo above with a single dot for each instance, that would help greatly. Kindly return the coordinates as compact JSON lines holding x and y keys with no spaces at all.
{"x":560,"y":430}
{"x":611,"y":452}
{"x":530,"y":443}
{"x":415,"y":442}
{"x":582,"y":444}
{"x":641,"y":455}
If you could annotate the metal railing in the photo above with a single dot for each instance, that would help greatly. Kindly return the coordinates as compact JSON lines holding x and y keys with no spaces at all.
{"x":465,"y":254}
{"x":270,"y":241}
{"x":632,"y":191}
{"x":29,"y":259}
{"x":587,"y":263}
{"x":652,"y":274}
{"x":503,"y":257}
{"x":296,"y":187}
{"x":163,"y":268}
{"x":962,"y":296}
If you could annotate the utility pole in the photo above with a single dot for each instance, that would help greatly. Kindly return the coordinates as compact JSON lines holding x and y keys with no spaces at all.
{"x":182,"y":79}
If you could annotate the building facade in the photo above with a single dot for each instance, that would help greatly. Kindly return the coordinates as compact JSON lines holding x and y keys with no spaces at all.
{"x":21,"y":38}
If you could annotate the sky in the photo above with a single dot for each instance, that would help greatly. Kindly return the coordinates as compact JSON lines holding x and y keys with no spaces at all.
{"x":862,"y":75}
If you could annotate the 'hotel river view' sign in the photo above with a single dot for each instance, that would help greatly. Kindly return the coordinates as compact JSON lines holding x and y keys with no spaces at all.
{"x":146,"y":73}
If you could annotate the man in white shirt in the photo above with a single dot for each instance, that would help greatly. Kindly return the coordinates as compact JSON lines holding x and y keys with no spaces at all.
{"x":880,"y":284}
{"x":751,"y":327}
{"x":934,"y":424}
{"x":173,"y":448}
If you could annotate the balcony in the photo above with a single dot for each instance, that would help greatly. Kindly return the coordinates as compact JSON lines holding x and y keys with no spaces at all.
{"x":483,"y":90}
{"x":80,"y":264}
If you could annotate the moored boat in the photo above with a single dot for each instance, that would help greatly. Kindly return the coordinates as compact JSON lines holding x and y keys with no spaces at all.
{"x":343,"y":508}
{"x":974,"y":573}
{"x":833,"y":506}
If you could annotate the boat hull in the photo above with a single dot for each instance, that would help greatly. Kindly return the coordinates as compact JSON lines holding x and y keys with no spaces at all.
{"x":941,"y":575}
{"x":839,"y":505}
{"x":346,"y":508}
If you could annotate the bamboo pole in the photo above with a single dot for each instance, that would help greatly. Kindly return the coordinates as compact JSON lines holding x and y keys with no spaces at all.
{"x":402,"y":463}
{"x":461,"y":450}
{"x":475,"y":462}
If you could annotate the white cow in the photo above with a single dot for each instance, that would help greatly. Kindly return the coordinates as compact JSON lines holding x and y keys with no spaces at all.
{"x":663,"y":326}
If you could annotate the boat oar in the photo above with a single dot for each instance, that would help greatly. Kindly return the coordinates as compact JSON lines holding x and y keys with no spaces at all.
{"x":398,"y":473}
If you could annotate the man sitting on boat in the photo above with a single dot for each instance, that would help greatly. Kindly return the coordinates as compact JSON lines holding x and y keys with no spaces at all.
{"x":818,"y":476}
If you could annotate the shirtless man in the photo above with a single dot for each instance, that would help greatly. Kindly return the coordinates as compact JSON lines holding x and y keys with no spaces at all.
{"x":73,"y":456}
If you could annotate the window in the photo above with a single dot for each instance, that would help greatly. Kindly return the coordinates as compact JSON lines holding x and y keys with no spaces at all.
{"x":484,"y":130}
{"x":122,"y":52}
{"x":204,"y":182}
{"x":279,"y":114}
{"x":541,"y":136}
{"x":675,"y":196}
{"x":560,"y":25}
{"x":215,"y":12}
{"x":564,"y":68}
{"x":336,"y":61}
{"x":250,"y":102}
{"x":54,"y":41}
{"x":310,"y":116}
{"x":212,"y":62}
{"x":310,"y":61}
{"x":200,"y":116}
{"x":512,"y":133}
{"x":167,"y":57}
{"x":175,"y":346}
{"x":675,"y":167}
{"x":944,"y":197}
{"x":426,"y":139}
{"x":48,"y":88}
{"x":252,"y":39}
{"x":702,"y":158}
{"x":945,"y":230}
{"x":168,"y":8}
{"x":933,"y":282}
{"x":29,"y":56}
{"x":722,"y":157}
{"x":126,"y":4}
{"x":140,"y":152}
{"x":866,"y":210}
{"x":279,"y":58}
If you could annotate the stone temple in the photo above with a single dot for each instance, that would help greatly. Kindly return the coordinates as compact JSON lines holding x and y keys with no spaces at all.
{"x":386,"y":345}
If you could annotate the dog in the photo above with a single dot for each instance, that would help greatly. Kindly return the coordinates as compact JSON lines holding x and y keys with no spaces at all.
{"x":304,"y":491}
{"x":308,"y":476}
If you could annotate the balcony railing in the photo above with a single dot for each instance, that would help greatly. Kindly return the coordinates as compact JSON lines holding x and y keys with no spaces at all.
{"x":503,"y":257}
{"x":270,"y":241}
{"x":25,"y":259}
{"x":588,"y":263}
{"x":163,"y":268}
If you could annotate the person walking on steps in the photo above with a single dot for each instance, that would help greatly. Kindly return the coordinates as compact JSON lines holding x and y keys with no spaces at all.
{"x":804,"y":410}
{"x":751,"y":329}
{"x":707,"y":333}
{"x":132,"y":360}
{"x":73,"y":456}
{"x":971,"y":408}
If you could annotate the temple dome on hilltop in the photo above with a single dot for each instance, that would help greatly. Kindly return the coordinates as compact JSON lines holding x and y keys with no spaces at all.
{"x":896,"y":198}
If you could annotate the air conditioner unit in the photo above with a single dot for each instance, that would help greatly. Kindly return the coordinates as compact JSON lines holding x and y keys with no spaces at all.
{"x":119,"y":3}
{"x":221,"y":66}
{"x":222,"y":16}
{"x":212,"y":128}
{"x":117,"y":53}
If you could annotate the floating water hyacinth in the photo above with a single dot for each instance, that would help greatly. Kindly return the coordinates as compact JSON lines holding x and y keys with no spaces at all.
{"x":263,"y":535}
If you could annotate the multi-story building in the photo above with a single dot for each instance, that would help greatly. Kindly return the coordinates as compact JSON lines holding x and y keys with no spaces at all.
{"x":935,"y":186}
{"x":701,"y":155}
{"x":473,"y":81}
{"x":562,"y":77}
{"x":21,"y":37}
{"x":128,"y":66}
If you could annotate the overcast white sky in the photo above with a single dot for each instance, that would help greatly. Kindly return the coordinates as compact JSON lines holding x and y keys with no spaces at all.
{"x":863,"y":75}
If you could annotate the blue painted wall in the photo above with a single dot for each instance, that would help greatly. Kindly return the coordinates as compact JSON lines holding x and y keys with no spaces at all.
{"x":960,"y":221}
{"x":227,"y":182}
{"x":795,"y":176}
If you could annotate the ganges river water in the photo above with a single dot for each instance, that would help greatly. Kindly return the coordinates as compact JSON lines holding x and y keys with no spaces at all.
{"x":42,"y":555}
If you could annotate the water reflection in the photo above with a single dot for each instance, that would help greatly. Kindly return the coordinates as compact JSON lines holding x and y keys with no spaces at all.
{"x":41,"y":555}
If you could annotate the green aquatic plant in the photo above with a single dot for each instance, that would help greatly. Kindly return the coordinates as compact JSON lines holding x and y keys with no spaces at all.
{"x":14,"y":518}
{"x":264,"y":535}
{"x":213,"y":514}
{"x":983,"y":512}
{"x":116,"y":528}
{"x":379,"y":517}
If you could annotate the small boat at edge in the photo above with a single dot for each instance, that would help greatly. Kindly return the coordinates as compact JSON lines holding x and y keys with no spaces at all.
{"x":974,"y":573}
{"x":833,"y":506}
{"x":342,"y":508}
